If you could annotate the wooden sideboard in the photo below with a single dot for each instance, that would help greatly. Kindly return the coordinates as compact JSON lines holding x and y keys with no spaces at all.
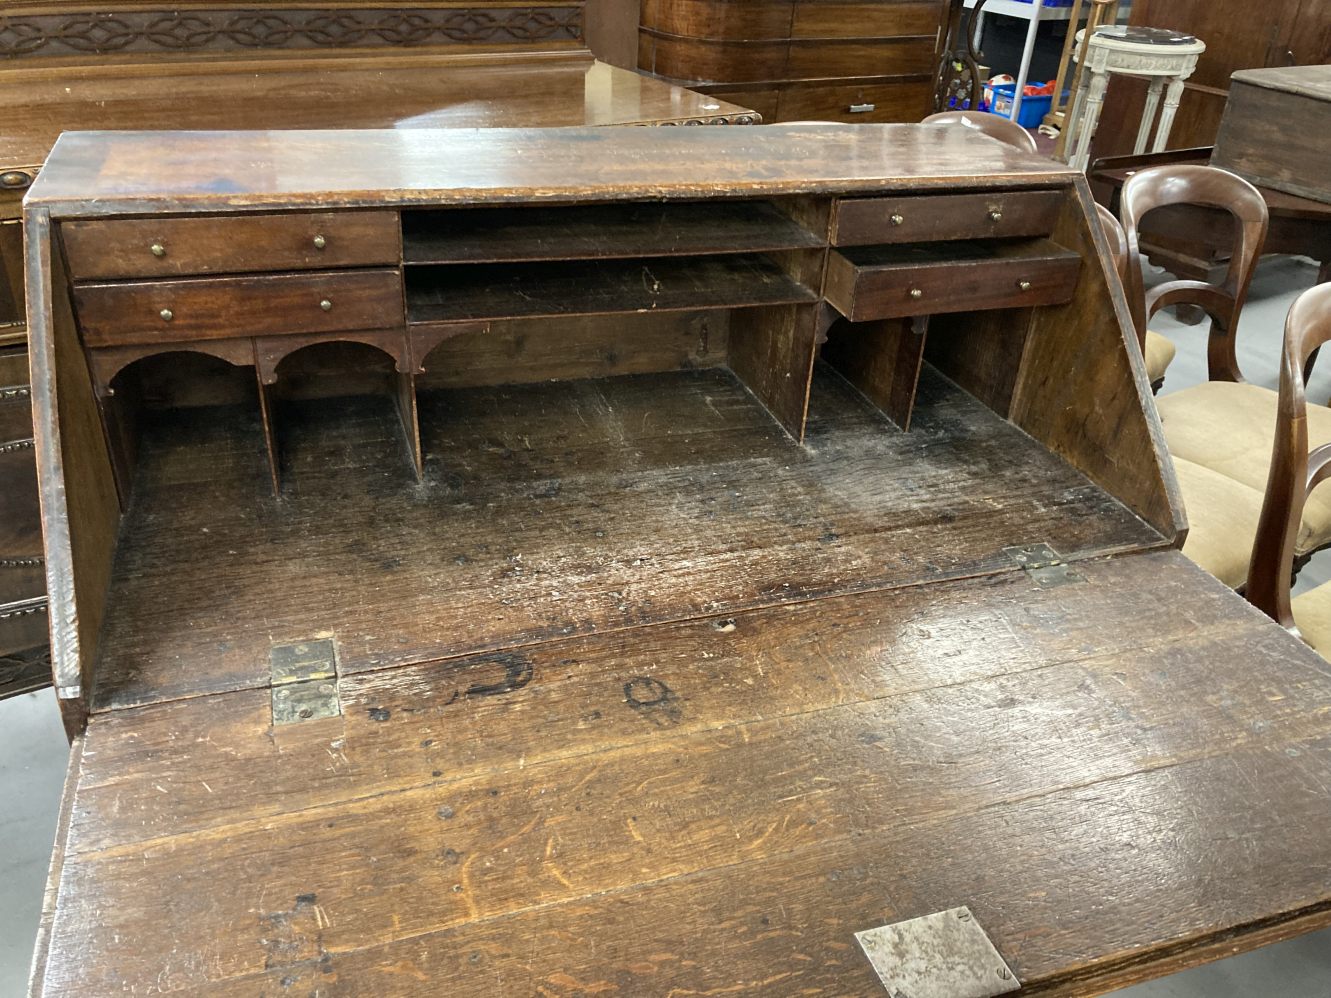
{"x":224,"y":65}
{"x":629,"y":561}
{"x":794,"y":60}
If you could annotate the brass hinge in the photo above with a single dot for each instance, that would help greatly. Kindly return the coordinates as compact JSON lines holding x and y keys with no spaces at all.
{"x":1044,"y":566}
{"x":304,"y":681}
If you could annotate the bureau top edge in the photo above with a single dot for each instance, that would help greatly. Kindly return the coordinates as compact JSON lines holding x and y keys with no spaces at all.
{"x":94,"y":174}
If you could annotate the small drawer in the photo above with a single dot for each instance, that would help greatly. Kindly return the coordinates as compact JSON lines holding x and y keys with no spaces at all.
{"x":209,"y":308}
{"x":892,"y":282}
{"x":170,"y":247}
{"x":1002,"y":214}
{"x":866,"y":104}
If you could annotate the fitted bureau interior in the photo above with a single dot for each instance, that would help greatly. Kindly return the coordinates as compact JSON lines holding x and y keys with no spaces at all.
{"x":433,"y":432}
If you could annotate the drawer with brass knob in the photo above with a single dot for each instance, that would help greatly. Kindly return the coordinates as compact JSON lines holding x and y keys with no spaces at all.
{"x":889,"y":282}
{"x":208,"y":308}
{"x":170,"y":247}
{"x":930,"y":217}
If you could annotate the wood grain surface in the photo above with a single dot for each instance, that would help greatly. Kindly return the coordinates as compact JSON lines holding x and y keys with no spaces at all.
{"x":627,"y":501}
{"x":719,"y":804}
{"x":104,"y":171}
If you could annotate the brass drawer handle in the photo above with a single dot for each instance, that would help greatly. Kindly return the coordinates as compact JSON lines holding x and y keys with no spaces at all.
{"x":916,"y":294}
{"x":326,"y":305}
{"x":167,"y":315}
{"x":320,"y":242}
{"x":995,"y":215}
{"x":897,"y":219}
{"x":1023,"y":285}
{"x":158,"y":250}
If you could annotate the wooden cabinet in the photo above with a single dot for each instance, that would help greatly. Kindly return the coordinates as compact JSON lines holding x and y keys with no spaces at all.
{"x":1287,"y":33}
{"x":799,"y":59}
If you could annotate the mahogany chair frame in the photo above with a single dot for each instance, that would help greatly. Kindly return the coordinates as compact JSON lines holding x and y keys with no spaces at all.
{"x":1294,"y":471}
{"x":1211,"y":187}
{"x":994,"y":125}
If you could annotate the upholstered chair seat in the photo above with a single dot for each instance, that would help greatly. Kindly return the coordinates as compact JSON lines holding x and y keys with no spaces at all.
{"x":1160,"y":352}
{"x":1222,"y":521}
{"x":1228,"y":428}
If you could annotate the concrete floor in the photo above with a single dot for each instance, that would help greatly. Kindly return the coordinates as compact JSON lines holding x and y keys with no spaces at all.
{"x":33,"y":752}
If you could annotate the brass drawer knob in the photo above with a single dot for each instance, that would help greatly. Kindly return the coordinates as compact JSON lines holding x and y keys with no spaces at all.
{"x":326,"y":305}
{"x":995,"y":215}
{"x":167,"y":315}
{"x":320,"y":242}
{"x":158,"y":250}
{"x":916,"y":294}
{"x":897,"y":219}
{"x":1023,"y":285}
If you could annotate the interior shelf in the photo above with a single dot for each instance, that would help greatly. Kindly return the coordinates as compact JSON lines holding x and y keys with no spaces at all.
{"x":582,"y":287}
{"x":498,"y":235}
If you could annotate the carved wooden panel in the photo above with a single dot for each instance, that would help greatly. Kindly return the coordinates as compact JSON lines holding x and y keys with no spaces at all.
{"x":229,"y":30}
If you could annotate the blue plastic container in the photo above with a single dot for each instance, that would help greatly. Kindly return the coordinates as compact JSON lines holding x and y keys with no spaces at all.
{"x":1051,"y":3}
{"x":1033,"y":109}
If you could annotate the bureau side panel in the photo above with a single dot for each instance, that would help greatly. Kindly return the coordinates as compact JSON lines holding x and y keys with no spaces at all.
{"x":80,"y":509}
{"x":1081,"y":387}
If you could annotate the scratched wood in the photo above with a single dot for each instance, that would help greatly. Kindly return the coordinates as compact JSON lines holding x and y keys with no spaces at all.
{"x":609,"y":814}
{"x":398,"y":729}
{"x":622,"y":502}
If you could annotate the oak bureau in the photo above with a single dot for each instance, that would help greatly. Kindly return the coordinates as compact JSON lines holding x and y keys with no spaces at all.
{"x":631,"y":562}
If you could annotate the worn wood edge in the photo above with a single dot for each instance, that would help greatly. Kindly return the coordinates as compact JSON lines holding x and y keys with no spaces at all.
{"x":62,"y":207}
{"x":1135,"y":968}
{"x":51,"y":892}
{"x":63,"y":614}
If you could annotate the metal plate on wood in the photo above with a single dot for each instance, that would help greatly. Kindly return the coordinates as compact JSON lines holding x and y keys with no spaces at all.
{"x":304,"y":680}
{"x":1030,"y":556}
{"x":943,"y":955}
{"x":302,"y":661}
{"x":1053,"y":576}
{"x":308,"y":701}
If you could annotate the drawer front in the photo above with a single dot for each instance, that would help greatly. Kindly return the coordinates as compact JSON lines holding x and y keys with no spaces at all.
{"x":206,"y":308}
{"x":169,"y":247}
{"x":865,"y":292}
{"x":866,"y":221}
{"x":868,"y":103}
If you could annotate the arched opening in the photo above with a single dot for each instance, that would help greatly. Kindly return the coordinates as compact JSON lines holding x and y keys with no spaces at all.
{"x":331,"y":399}
{"x":168,"y":411}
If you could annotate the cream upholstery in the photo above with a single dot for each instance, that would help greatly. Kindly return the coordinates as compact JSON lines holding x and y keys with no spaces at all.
{"x":1312,"y":614}
{"x":1159,"y":353}
{"x":1230,"y":428}
{"x":1222,"y":521}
